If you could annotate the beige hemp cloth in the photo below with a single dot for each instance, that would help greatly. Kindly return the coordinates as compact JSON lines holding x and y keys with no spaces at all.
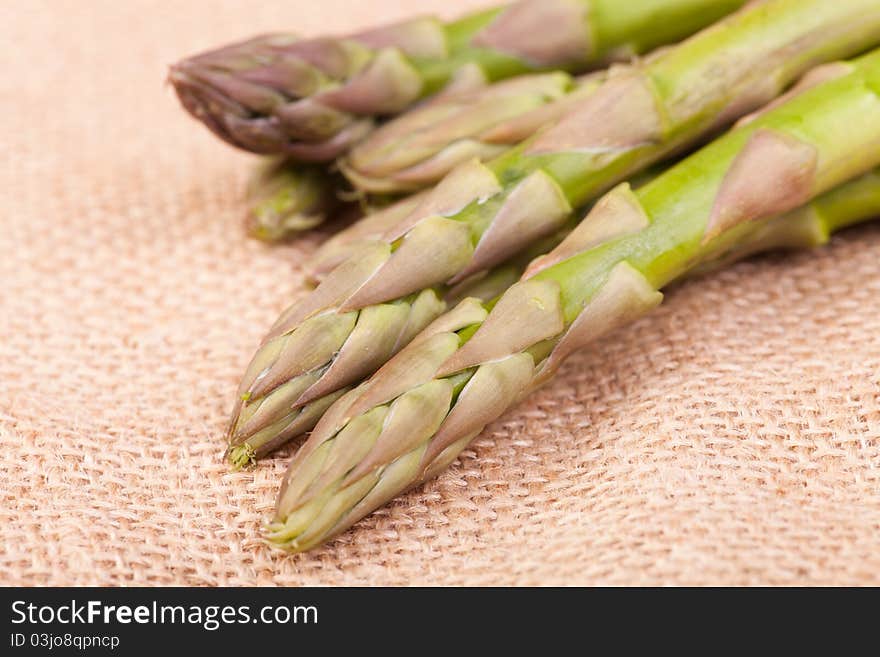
{"x":733,"y":437}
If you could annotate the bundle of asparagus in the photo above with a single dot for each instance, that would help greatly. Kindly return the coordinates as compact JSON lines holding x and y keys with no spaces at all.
{"x":413,"y":417}
{"x":439,"y":312}
{"x":480,"y":215}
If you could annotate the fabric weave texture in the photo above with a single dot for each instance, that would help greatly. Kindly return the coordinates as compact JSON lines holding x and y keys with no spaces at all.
{"x":733,"y":437}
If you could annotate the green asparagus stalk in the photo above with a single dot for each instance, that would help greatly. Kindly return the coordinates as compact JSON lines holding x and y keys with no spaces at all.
{"x":418,"y":148}
{"x":312,"y":99}
{"x":411,"y":419}
{"x":373,"y":303}
{"x":287,"y":198}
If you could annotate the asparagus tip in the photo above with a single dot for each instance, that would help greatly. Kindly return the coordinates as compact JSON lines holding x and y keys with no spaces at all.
{"x":241,"y":456}
{"x":278,"y":534}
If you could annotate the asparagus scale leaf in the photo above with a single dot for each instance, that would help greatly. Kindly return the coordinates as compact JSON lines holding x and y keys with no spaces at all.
{"x":312,"y":99}
{"x":481,"y":215}
{"x":738,"y":194}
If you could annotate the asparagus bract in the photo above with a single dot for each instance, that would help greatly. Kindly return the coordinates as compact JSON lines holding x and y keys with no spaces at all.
{"x":480,"y":215}
{"x":312,"y":99}
{"x":360,"y":235}
{"x":414,"y":416}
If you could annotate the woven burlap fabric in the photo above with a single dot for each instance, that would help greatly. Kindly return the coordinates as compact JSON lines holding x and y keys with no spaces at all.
{"x":732,"y":437}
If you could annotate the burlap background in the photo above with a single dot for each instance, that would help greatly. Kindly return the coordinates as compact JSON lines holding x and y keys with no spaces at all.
{"x":733,"y":437}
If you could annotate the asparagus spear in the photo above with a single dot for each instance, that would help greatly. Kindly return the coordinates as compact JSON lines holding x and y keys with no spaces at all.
{"x":286,"y":198}
{"x":411,"y":419}
{"x":348,"y":243}
{"x":421,"y":146}
{"x":372,"y":304}
{"x":312,"y":99}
